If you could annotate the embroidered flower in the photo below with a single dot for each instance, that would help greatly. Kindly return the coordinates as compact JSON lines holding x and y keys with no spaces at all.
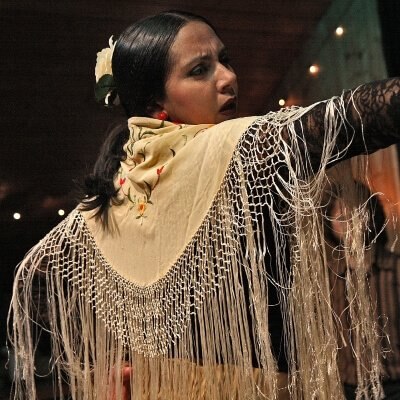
{"x":141,"y":207}
{"x":103,"y":62}
{"x":160,"y":170}
{"x":140,"y":196}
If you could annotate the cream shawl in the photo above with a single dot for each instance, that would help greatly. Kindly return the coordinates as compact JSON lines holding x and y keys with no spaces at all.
{"x":177,"y":288}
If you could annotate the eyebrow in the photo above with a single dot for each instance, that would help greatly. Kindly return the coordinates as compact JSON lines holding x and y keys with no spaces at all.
{"x":205,"y":57}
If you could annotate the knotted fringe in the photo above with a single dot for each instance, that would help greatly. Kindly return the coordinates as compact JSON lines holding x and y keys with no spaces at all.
{"x":197,"y":332}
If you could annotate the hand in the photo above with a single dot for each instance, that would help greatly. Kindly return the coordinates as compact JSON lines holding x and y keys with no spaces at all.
{"x":126,"y":384}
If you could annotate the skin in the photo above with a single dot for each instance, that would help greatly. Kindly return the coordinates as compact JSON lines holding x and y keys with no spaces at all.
{"x":126,"y":373}
{"x":338,"y":222}
{"x":201,"y":86}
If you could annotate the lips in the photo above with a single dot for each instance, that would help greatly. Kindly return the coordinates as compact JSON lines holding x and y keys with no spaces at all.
{"x":229,"y":107}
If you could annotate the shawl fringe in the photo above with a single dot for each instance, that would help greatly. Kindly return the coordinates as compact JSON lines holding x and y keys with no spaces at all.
{"x":195,"y":332}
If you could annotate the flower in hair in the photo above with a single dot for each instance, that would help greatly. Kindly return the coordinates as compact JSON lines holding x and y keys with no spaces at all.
{"x":103,"y":62}
{"x":105,"y":90}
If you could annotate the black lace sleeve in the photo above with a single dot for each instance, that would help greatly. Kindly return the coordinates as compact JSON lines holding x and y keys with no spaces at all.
{"x":371,"y":121}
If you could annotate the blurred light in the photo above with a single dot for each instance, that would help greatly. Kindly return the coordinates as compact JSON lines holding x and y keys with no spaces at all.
{"x":5,"y":189}
{"x":314,"y":69}
{"x":61,"y":212}
{"x":339,"y":31}
{"x":17,"y":215}
{"x":282,"y":102}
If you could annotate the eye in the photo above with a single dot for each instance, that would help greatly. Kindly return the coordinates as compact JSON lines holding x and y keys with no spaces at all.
{"x":225,"y":60}
{"x":198,"y":70}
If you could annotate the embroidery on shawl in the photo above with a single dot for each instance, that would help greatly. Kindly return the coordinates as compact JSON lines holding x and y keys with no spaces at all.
{"x":140,"y":147}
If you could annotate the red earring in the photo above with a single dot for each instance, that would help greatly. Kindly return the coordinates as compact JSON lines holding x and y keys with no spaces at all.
{"x":162,"y":115}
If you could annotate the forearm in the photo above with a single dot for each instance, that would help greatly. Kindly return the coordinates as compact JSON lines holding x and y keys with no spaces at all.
{"x":369,"y":120}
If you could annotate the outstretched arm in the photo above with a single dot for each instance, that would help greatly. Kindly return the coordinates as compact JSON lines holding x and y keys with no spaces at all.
{"x":371,"y":121}
{"x":297,"y":141}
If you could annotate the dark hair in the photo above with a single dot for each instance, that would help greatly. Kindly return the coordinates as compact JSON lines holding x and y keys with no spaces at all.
{"x":141,"y":60}
{"x":98,"y":187}
{"x":140,"y":66}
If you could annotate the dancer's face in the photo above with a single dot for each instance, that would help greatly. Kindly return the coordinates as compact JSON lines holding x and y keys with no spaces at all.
{"x":201,"y":86}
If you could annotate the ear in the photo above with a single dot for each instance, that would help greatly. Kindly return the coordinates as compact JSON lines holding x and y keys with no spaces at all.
{"x":154,"y":110}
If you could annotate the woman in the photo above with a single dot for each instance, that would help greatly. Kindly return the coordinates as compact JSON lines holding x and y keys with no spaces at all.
{"x":171,"y":280}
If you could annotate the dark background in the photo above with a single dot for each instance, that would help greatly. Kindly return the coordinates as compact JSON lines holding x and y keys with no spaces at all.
{"x":51,"y":127}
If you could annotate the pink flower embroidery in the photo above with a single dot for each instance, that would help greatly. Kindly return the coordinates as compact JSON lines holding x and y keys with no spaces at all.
{"x":160,"y":170}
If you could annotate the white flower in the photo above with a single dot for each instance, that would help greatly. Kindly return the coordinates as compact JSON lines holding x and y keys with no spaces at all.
{"x":103,"y":62}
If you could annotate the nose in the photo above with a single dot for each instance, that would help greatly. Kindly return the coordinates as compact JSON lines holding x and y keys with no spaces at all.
{"x":226,"y":80}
